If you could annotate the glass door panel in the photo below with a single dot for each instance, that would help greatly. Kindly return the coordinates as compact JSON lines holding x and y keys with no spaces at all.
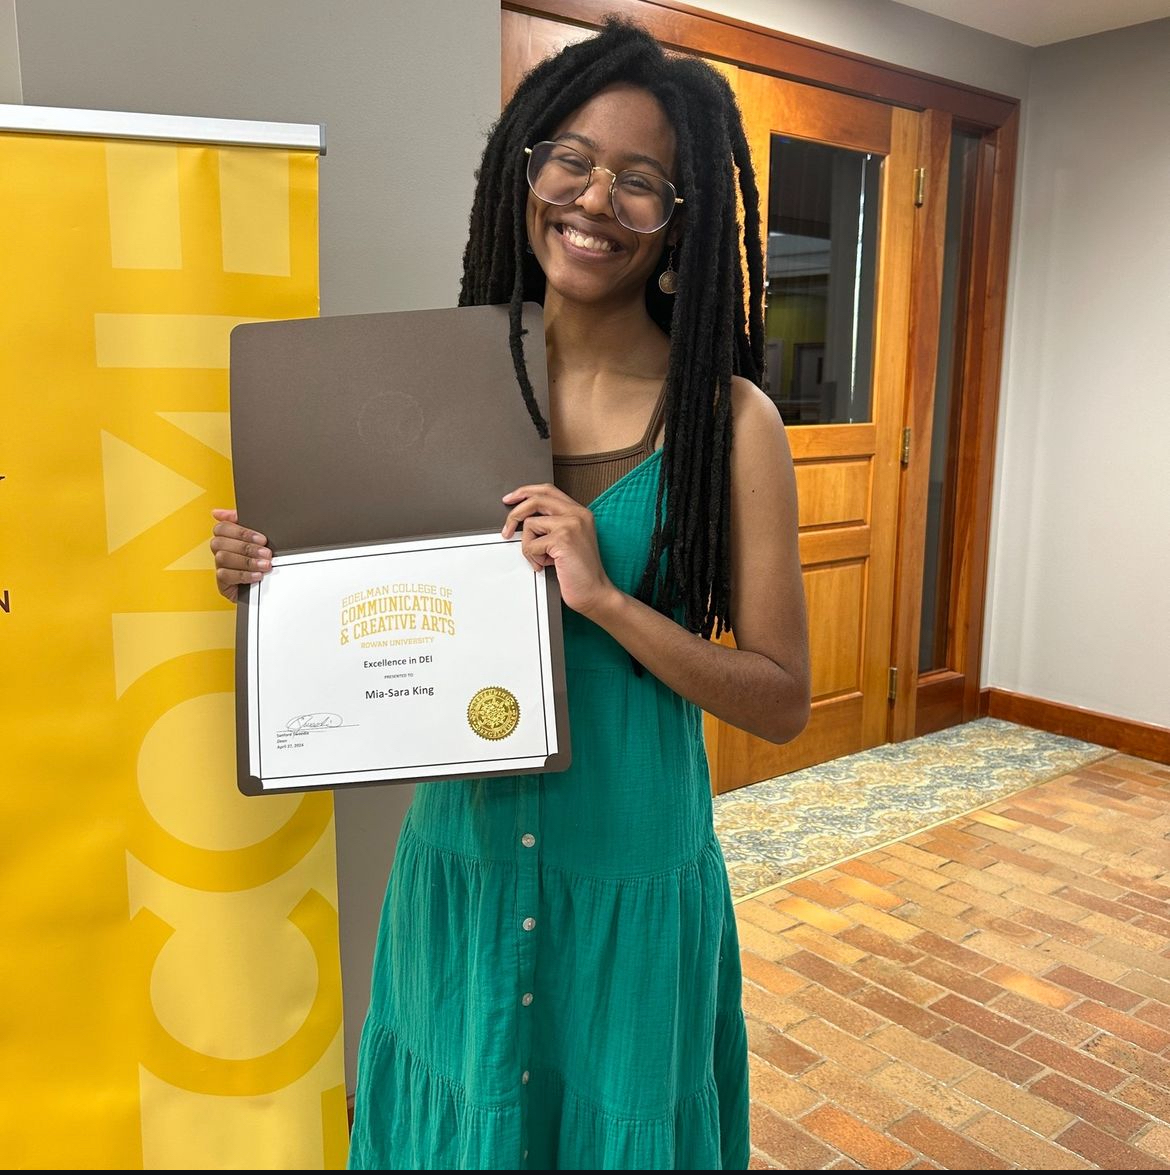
{"x":823,"y":220}
{"x":933,"y":647}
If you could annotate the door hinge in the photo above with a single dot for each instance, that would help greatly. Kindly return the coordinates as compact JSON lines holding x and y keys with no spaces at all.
{"x":919,"y":186}
{"x":906,"y":446}
{"x":892,"y":689}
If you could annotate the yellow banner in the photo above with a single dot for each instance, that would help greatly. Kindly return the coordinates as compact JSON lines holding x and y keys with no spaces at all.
{"x":171,"y":991}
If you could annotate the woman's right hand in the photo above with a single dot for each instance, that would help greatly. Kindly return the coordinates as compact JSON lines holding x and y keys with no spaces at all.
{"x":241,"y":554}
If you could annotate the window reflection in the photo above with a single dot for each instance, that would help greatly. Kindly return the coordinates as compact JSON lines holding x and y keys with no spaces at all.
{"x":822,"y":245}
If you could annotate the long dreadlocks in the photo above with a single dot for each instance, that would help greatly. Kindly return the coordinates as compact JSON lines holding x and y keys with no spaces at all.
{"x":712,"y":337}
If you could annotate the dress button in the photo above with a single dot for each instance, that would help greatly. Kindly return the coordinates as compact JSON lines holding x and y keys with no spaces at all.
{"x":528,"y":840}
{"x":524,"y":1077}
{"x":526,"y":998}
{"x":529,"y":923}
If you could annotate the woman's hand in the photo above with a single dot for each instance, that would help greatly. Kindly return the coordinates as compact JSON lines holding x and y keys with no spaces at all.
{"x":559,"y":532}
{"x":241,"y":554}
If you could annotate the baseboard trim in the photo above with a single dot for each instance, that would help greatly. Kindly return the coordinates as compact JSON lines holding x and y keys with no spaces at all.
{"x":1122,"y":734}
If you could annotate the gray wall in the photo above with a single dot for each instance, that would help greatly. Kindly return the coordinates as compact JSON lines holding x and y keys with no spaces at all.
{"x":406,"y":90}
{"x":897,"y":34}
{"x":9,"y":59}
{"x":1077,"y":589}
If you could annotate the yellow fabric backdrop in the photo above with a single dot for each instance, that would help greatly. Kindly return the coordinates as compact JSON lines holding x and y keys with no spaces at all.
{"x":171,"y":992}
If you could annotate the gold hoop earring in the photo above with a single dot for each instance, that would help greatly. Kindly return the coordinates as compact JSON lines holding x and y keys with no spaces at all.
{"x":668,"y":278}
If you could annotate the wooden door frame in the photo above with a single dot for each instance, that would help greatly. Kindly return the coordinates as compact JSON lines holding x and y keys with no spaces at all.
{"x":925,"y":306}
{"x":946,"y":698}
{"x":682,"y":26}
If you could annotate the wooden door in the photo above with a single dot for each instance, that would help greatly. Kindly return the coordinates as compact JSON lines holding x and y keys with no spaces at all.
{"x":848,"y":455}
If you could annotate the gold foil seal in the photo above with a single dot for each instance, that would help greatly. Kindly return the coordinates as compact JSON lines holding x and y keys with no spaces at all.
{"x":493,"y":713}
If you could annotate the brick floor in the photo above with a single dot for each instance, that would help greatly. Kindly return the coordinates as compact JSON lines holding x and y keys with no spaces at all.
{"x":991,"y":994}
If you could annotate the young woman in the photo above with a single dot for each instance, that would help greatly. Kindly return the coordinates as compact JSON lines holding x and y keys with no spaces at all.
{"x":557,"y":980}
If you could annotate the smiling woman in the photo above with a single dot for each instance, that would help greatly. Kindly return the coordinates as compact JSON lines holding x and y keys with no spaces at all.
{"x":556,"y":982}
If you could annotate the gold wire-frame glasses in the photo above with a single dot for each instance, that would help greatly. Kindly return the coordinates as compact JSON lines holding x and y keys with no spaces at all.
{"x":559,"y":174}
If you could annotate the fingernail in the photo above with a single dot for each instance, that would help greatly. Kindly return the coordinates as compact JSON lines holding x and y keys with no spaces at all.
{"x":258,"y":538}
{"x":254,"y":577}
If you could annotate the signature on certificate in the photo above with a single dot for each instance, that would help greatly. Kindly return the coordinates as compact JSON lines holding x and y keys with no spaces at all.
{"x":303,"y":722}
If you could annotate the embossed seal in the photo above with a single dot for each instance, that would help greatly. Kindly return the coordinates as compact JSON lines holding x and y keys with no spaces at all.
{"x":493,"y":713}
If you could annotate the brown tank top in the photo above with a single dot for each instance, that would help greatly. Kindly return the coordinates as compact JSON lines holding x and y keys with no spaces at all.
{"x":585,"y":476}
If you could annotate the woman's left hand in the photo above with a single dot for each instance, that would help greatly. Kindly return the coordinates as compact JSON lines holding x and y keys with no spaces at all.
{"x":560,"y":533}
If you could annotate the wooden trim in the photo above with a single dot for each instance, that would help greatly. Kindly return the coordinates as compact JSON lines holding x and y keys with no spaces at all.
{"x":955,"y":506}
{"x":813,"y":113}
{"x":981,"y":406}
{"x":1123,"y":734}
{"x":845,"y":440}
{"x":892,"y":360}
{"x":845,"y":544}
{"x":715,"y":35}
{"x":938,"y":702}
{"x":970,"y":389}
{"x":929,"y":244}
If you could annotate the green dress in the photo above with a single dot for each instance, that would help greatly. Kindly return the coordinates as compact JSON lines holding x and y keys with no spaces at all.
{"x":556,"y":982}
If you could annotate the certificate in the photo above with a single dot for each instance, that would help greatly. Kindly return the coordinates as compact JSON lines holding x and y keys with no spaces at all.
{"x":425,"y":658}
{"x":375,"y":652}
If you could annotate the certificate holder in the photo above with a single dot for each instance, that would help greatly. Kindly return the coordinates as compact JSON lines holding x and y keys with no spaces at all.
{"x":405,"y":639}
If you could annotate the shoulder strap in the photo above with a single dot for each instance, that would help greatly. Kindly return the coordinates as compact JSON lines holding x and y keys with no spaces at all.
{"x":656,"y":419}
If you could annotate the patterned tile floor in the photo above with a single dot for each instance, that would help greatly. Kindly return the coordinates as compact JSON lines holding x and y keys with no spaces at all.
{"x":992,"y":993}
{"x":772,"y":831}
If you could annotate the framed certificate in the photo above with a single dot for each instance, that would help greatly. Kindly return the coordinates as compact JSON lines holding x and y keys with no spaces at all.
{"x":398,"y":637}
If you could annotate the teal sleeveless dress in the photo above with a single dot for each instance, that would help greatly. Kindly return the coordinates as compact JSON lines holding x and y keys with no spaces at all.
{"x":556,"y":982}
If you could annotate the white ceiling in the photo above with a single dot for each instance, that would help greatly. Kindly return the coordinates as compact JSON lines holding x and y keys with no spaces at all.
{"x":1040,"y":22}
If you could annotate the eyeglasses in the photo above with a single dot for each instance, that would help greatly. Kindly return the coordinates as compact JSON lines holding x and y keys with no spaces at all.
{"x":559,"y":174}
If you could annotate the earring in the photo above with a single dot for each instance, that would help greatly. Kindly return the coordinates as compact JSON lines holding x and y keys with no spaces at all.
{"x":668,"y":278}
{"x":528,"y":248}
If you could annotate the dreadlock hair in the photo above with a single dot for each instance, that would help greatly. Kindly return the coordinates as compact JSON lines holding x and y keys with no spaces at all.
{"x":712,"y":334}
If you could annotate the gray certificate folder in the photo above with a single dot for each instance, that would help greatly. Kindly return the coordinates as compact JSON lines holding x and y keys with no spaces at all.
{"x":372,"y":428}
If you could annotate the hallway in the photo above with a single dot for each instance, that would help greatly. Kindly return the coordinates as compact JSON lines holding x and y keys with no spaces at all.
{"x":992,"y":993}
